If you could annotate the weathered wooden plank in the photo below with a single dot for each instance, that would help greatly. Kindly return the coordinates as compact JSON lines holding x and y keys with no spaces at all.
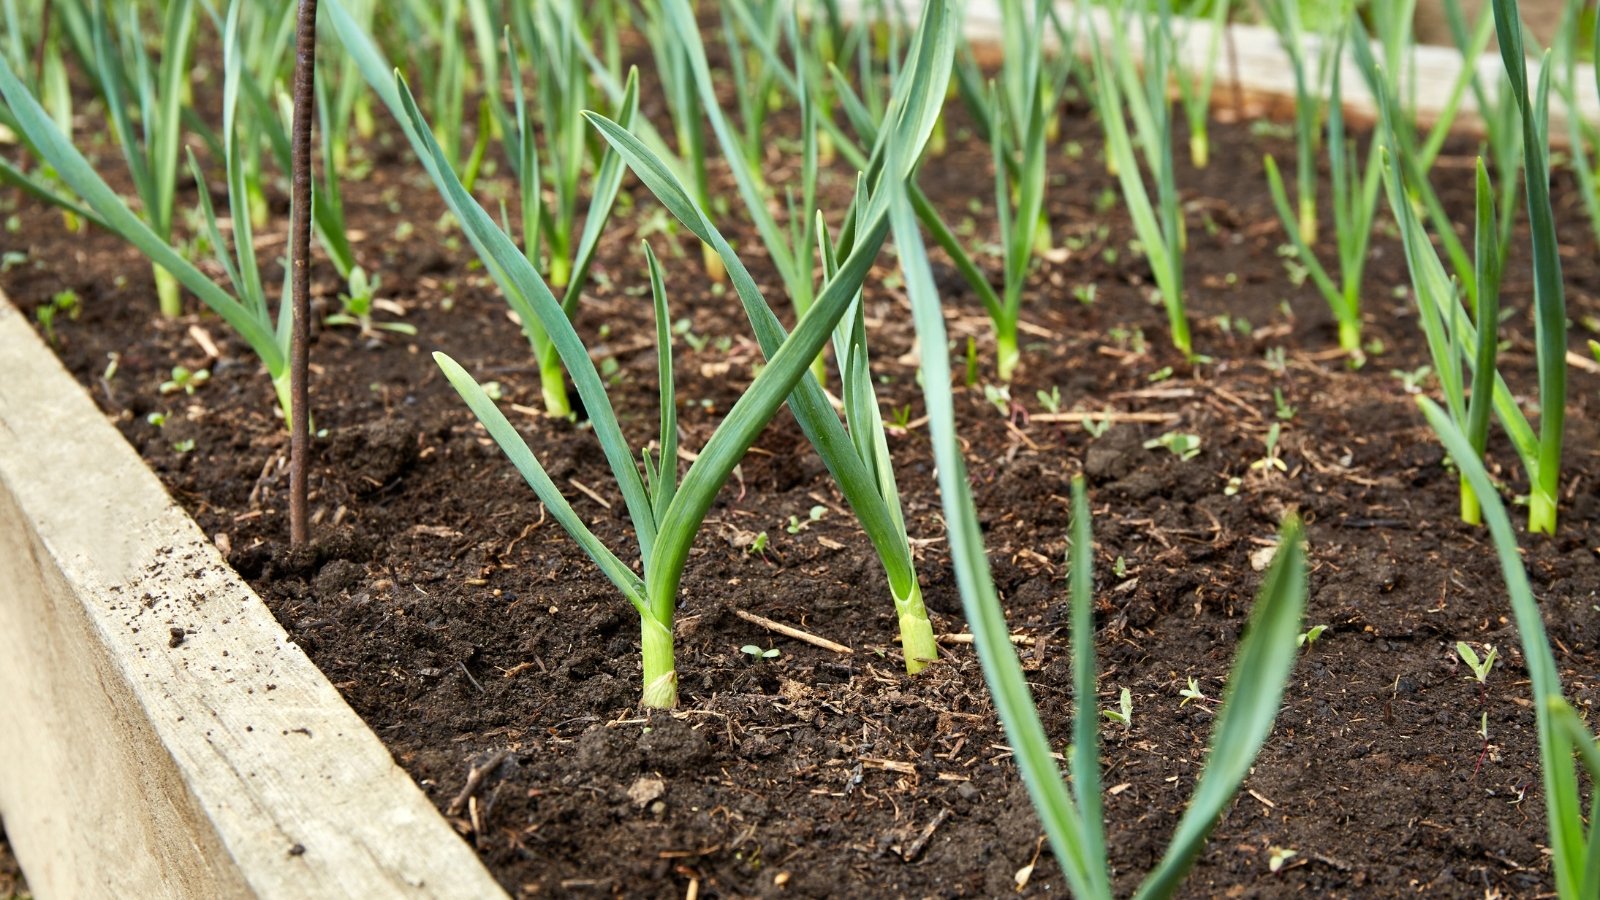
{"x":1253,"y":61}
{"x":133,"y":764}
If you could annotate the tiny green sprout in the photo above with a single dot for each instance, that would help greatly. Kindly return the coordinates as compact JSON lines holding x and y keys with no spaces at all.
{"x":494,"y":390}
{"x":1594,"y":348}
{"x":359,"y":303}
{"x":1277,"y":360}
{"x":1480,"y":667}
{"x":113,"y":360}
{"x":185,"y":380}
{"x":758,"y":653}
{"x":1278,"y":856}
{"x":1234,"y":485}
{"x":758,"y":545}
{"x":64,"y":303}
{"x":1120,"y":567}
{"x":998,"y":397}
{"x":797,"y":525}
{"x":1097,"y":427}
{"x":1161,"y":374}
{"x":1084,"y":293}
{"x":972,"y":361}
{"x":11,"y":260}
{"x":1307,"y":638}
{"x":900,"y":417}
{"x":184,"y":446}
{"x":157,"y":419}
{"x":1411,"y":381}
{"x":1271,"y":461}
{"x":1050,"y":401}
{"x":1123,"y":715}
{"x":1192,"y":692}
{"x":1281,"y":407}
{"x":1182,"y":445}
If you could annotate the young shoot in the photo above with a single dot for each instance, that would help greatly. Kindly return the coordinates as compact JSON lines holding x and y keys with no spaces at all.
{"x":1310,"y":636}
{"x":1480,"y":666}
{"x":1184,"y":446}
{"x":1072,"y":814}
{"x":1195,"y":91}
{"x":1122,"y":92}
{"x":357,"y":306}
{"x":758,"y":654}
{"x":1123,"y":714}
{"x":1354,"y":187}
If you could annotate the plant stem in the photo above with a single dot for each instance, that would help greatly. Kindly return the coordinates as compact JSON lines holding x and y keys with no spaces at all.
{"x":715,"y":270}
{"x":300,"y":253}
{"x":553,"y":385}
{"x":167,"y":293}
{"x":660,"y":672}
{"x":1199,"y":149}
{"x":916,"y":632}
{"x":1350,"y":334}
{"x":1471,"y":510}
{"x":1541,"y":511}
{"x":1007,"y":355}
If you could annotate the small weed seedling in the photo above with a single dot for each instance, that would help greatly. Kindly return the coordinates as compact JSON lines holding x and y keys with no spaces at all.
{"x":185,"y":380}
{"x":1123,"y":714}
{"x":797,"y":524}
{"x":1480,"y":672}
{"x":1411,"y":382}
{"x":999,"y":397}
{"x":359,"y":303}
{"x":1097,"y":427}
{"x":759,"y":654}
{"x":1183,"y":446}
{"x":1277,"y":856}
{"x":758,"y":545}
{"x":1192,"y":692}
{"x":1051,"y":401}
{"x":1266,"y":464}
{"x":1311,"y":636}
{"x":64,"y":303}
{"x":1281,"y":407}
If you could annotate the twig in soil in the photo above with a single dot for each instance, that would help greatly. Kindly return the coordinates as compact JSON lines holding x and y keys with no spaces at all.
{"x":1107,"y":416}
{"x":915,"y":848}
{"x":463,"y":667}
{"x":305,"y":45}
{"x":589,"y":492}
{"x":475,"y":776}
{"x":791,"y":631}
{"x":964,"y":638}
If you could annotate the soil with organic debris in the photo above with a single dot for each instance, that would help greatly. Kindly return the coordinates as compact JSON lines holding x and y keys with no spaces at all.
{"x":469,"y":631}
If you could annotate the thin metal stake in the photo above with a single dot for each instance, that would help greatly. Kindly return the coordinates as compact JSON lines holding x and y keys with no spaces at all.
{"x":305,"y":45}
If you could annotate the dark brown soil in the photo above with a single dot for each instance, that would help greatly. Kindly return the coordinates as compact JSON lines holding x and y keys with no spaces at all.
{"x":461,"y":623}
{"x":12,"y":885}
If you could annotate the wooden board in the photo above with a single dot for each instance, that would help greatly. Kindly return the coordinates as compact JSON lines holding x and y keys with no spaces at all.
{"x":134,"y":763}
{"x":1252,"y":65}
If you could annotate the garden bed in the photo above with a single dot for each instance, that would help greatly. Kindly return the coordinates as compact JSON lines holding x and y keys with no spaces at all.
{"x":470,"y":633}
